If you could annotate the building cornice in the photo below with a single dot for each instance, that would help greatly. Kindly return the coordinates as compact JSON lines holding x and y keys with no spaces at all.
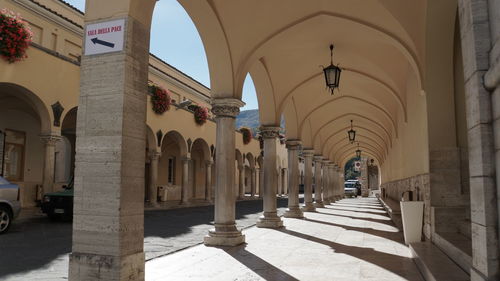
{"x":176,"y":82}
{"x":52,"y":16}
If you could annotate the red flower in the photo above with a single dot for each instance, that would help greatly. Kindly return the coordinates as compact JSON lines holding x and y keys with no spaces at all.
{"x":16,"y":36}
{"x":160,"y":99}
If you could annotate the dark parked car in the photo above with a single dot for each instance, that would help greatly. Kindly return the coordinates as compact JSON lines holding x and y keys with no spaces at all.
{"x":59,"y":205}
{"x":9,"y":204}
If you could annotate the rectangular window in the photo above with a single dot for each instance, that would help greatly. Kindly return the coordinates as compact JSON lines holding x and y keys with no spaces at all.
{"x":13,"y":161}
{"x":171,"y":170}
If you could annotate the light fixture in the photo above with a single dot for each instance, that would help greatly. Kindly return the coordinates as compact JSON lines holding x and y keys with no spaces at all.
{"x":351,"y":134}
{"x":358,"y":152}
{"x":332,"y":73}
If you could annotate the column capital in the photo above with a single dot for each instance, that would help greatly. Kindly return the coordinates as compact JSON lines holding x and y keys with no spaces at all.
{"x":50,"y":139}
{"x":186,"y":159}
{"x":270,"y":132}
{"x":318,"y":158}
{"x":153,"y":155}
{"x":226,"y":107}
{"x":307,"y":152}
{"x":293,"y":144}
{"x":209,"y":162}
{"x":325,"y":161}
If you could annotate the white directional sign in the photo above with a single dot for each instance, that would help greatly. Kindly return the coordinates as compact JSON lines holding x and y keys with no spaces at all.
{"x":104,"y":37}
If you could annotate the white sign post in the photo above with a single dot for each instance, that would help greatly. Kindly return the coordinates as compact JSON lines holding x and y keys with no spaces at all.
{"x":104,"y":37}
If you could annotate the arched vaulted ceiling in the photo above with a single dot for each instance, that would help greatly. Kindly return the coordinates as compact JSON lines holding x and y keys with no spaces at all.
{"x":284,"y":44}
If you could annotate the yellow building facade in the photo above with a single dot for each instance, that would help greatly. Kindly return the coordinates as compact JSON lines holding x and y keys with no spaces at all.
{"x":38,"y":115}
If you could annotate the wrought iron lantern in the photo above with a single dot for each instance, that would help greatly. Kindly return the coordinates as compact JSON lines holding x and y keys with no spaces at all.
{"x":332,"y":73}
{"x":358,"y":152}
{"x":351,"y":134}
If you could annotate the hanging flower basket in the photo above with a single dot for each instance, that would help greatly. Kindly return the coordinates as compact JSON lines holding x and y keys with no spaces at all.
{"x":160,"y":99}
{"x":247,"y":135}
{"x":200,"y":114}
{"x":15,"y":36}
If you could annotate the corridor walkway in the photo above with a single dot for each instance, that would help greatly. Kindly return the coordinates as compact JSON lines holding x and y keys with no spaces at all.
{"x":352,"y":239}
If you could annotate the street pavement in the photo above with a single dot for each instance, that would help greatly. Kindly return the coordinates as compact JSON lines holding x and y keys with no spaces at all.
{"x":38,"y":249}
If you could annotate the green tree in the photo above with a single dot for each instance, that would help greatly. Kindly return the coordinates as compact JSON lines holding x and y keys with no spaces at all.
{"x":349,"y":172}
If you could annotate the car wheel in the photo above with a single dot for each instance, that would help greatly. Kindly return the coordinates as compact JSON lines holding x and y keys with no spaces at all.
{"x":5,"y":219}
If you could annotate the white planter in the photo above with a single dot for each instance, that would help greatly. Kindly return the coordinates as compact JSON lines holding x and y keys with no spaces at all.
{"x":412,"y":213}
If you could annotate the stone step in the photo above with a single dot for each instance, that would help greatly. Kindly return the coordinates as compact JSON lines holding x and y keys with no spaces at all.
{"x":435,"y":265}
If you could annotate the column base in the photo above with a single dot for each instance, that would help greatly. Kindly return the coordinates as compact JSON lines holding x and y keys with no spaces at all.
{"x":84,"y":266}
{"x":308,"y":207}
{"x":294,"y":212}
{"x":326,"y":201}
{"x":269,"y":221}
{"x":224,"y":236}
{"x":319,"y":205}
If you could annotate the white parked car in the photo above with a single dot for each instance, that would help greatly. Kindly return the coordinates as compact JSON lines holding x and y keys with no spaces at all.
{"x":9,"y":204}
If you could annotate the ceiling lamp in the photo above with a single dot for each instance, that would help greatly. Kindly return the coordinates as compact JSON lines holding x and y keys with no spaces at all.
{"x":351,"y":134}
{"x":358,"y":152}
{"x":332,"y":73}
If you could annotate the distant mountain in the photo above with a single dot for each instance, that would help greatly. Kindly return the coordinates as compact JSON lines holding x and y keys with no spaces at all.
{"x":250,"y":119}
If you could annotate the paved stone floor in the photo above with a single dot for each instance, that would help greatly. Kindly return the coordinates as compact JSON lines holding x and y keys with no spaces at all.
{"x":37,"y":249}
{"x":352,"y":239}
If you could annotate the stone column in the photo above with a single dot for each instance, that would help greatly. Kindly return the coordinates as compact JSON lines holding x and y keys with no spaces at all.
{"x":308,"y":172}
{"x":261,"y":182}
{"x":153,"y":177}
{"x":185,"y":180}
{"x":108,"y":209}
{"x":293,"y":210}
{"x":341,"y":183}
{"x":208,"y":181}
{"x":479,"y":33}
{"x":225,"y":232}
{"x":241,"y":182}
{"x":338,"y":186}
{"x":279,"y":185}
{"x":284,"y":179}
{"x":49,"y":163}
{"x":364,"y":178}
{"x":331,"y":182}
{"x":270,"y":216}
{"x":326,"y":182}
{"x":253,"y":180}
{"x":318,"y":200}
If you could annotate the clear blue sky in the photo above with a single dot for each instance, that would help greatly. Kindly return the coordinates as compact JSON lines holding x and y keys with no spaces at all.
{"x":185,"y":52}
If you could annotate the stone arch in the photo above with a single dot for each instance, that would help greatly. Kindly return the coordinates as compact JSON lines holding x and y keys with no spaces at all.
{"x":170,"y":165}
{"x":68,"y":130}
{"x":10,"y":92}
{"x":200,"y":155}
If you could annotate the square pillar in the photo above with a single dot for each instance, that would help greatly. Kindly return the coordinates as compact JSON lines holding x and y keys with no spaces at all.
{"x":108,"y":214}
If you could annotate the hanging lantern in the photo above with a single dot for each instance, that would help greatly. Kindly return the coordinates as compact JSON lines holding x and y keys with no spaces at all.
{"x":332,"y":73}
{"x":358,"y":152}
{"x":351,"y":134}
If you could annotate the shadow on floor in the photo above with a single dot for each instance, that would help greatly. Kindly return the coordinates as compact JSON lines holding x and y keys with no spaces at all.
{"x":359,"y":210}
{"x":35,"y":242}
{"x":264,"y":269}
{"x":170,"y":223}
{"x":385,"y":220}
{"x":392,"y":263}
{"x":394,"y":236}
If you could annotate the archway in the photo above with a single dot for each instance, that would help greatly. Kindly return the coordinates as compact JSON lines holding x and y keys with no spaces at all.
{"x":23,"y":120}
{"x":200,"y":156}
{"x":171,"y":172}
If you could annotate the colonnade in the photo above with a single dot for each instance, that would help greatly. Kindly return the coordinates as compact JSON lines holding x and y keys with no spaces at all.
{"x":328,"y":186}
